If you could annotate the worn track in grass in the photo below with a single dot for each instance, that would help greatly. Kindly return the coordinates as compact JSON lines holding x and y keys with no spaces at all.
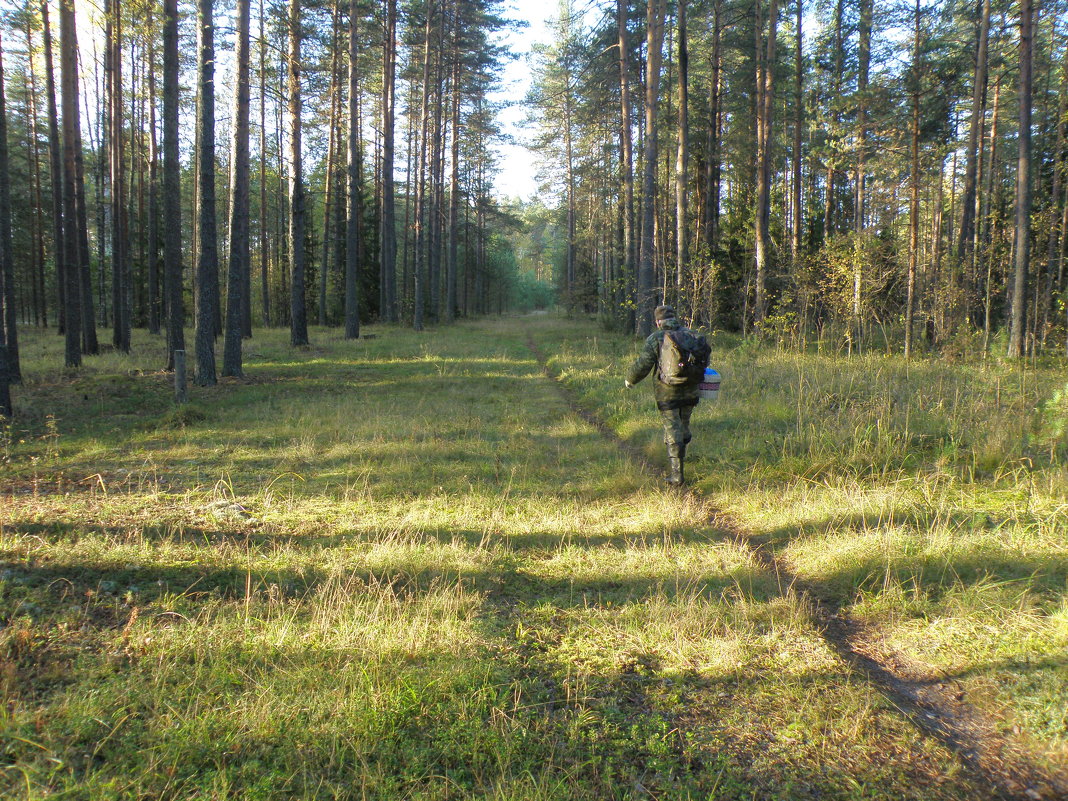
{"x":930,"y":703}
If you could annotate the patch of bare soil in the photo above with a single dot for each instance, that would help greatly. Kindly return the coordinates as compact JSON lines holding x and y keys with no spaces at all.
{"x":930,"y":702}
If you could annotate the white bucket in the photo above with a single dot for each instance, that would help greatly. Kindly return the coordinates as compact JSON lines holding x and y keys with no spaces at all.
{"x":708,"y":389}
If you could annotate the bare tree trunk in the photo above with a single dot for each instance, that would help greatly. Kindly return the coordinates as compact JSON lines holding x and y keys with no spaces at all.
{"x":298,"y":317}
{"x":646,"y":278}
{"x":1023,"y":188}
{"x":836,"y":91}
{"x":207,"y":241}
{"x":799,"y":121}
{"x":172,"y":199}
{"x":239,"y":261}
{"x":420,"y":226}
{"x":332,"y":147}
{"x":153,"y":192}
{"x":966,"y":232}
{"x":388,"y":244}
{"x":264,"y":277}
{"x":71,"y":274}
{"x":914,"y":184}
{"x":352,"y":235}
{"x":627,"y":161}
{"x":765,"y":87}
{"x":9,"y":345}
{"x":1054,"y":259}
{"x":454,"y":180}
{"x":120,"y":300}
{"x":55,"y":165}
{"x":33,"y":154}
{"x":682,"y":157}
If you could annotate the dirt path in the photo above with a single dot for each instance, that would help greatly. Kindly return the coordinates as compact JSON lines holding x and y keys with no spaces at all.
{"x":932,"y":705}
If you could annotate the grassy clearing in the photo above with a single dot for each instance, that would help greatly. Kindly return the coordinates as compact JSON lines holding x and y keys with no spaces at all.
{"x":402,"y":568}
{"x":929,"y":499}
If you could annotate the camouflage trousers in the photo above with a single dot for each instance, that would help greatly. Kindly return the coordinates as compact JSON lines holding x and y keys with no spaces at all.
{"x":676,"y":429}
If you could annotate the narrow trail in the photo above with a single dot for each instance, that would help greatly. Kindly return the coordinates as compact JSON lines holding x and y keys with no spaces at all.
{"x":932,"y":705}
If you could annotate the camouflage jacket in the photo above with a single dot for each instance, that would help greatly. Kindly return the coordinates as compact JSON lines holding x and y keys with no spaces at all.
{"x":667,"y":397}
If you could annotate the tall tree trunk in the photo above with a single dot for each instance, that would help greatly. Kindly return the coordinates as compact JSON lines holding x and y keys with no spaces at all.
{"x":352,"y":231}
{"x":986,"y":214}
{"x":264,"y":276}
{"x":55,"y":165}
{"x":239,"y":263}
{"x":646,"y":299}
{"x":71,"y":142}
{"x":966,"y":232}
{"x":90,"y":346}
{"x":712,"y":185}
{"x":682,"y":157}
{"x":454,"y":179}
{"x":799,"y":121}
{"x":388,"y":243}
{"x":8,"y":332}
{"x":627,"y":162}
{"x":332,"y":147}
{"x":34,"y":156}
{"x":860,"y":178}
{"x":765,"y":92}
{"x":836,"y":92}
{"x":172,"y":189}
{"x":207,"y":250}
{"x":153,"y":191}
{"x":419,"y":267}
{"x":1023,"y":188}
{"x":298,"y":319}
{"x":120,"y":295}
{"x":914,"y":184}
{"x":1054,"y":258}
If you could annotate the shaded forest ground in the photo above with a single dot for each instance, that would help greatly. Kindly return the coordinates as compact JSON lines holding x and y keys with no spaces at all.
{"x":404,"y":568}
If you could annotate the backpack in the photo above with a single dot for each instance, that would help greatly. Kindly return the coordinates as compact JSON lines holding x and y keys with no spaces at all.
{"x":683,"y":357}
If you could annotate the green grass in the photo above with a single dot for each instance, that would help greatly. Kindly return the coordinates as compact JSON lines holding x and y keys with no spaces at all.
{"x":401,"y":567}
{"x":928,"y":499}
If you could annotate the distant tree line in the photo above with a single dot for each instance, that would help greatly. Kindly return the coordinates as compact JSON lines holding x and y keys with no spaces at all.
{"x":266,"y":163}
{"x":861,"y":172}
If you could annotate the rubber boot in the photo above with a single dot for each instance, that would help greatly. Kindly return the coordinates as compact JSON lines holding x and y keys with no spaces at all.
{"x":675,"y":477}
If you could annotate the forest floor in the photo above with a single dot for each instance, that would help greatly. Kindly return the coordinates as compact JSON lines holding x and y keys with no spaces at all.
{"x":445,"y":565}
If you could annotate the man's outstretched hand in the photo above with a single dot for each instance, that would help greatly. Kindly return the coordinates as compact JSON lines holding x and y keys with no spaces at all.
{"x":627,"y":384}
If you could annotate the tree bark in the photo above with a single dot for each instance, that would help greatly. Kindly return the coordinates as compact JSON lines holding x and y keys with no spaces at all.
{"x":264,"y":276}
{"x":799,"y":121}
{"x":298,"y":319}
{"x":239,"y":263}
{"x":71,"y":275}
{"x":207,"y":250}
{"x":172,"y":198}
{"x":8,"y":332}
{"x":55,"y":165}
{"x":765,"y":92}
{"x":120,"y":283}
{"x":836,"y":91}
{"x":682,"y":156}
{"x":331,"y":151}
{"x":963,"y":252}
{"x":646,"y":299}
{"x":914,"y":184}
{"x":454,"y":178}
{"x":627,"y":161}
{"x":388,"y":244}
{"x":352,"y":231}
{"x":1023,"y":188}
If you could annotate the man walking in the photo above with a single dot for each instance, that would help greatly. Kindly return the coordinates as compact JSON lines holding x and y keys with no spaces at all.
{"x":680,"y":357}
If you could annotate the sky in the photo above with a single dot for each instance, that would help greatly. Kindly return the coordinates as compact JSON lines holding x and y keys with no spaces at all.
{"x":518,"y":166}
